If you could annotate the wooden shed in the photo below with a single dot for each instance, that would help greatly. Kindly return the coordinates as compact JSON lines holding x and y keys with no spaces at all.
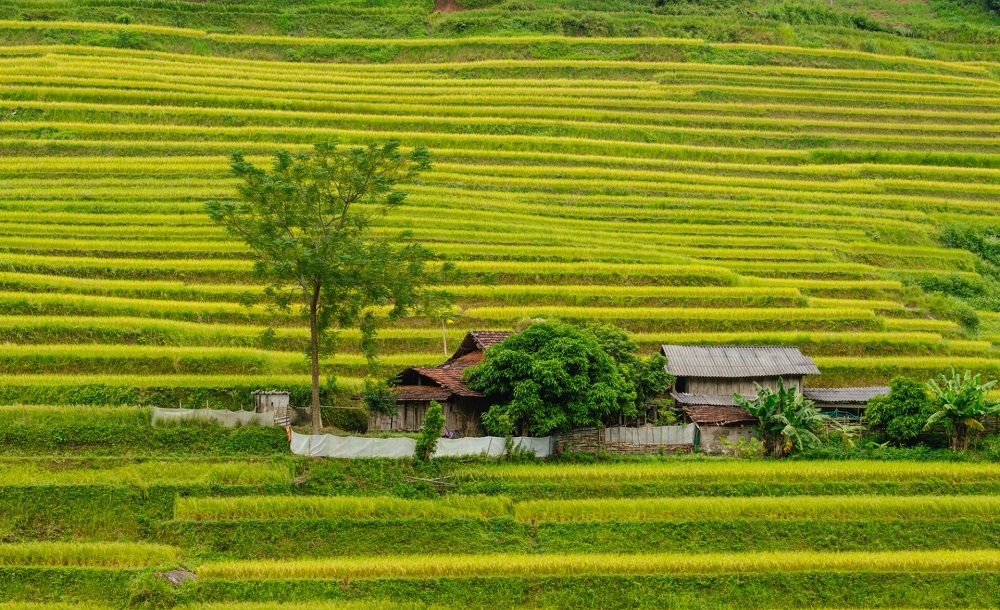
{"x":730,"y":369}
{"x":417,"y":386}
{"x":707,"y":377}
{"x":844,"y":404}
{"x":717,"y":419}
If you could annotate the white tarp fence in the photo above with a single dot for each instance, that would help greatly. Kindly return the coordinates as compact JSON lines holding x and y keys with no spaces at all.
{"x":327,"y":445}
{"x":229,"y":419}
{"x":648,"y":435}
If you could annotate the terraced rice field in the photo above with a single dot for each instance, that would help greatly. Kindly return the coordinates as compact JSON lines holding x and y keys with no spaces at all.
{"x":689,"y":202}
{"x":667,"y":533}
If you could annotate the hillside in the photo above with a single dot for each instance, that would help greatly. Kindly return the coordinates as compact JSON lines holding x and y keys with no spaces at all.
{"x":713,"y":172}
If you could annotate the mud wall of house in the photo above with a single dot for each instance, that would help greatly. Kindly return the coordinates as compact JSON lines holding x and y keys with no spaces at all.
{"x":710,"y":438}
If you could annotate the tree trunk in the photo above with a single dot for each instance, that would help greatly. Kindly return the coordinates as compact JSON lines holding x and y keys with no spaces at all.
{"x":317,"y":420}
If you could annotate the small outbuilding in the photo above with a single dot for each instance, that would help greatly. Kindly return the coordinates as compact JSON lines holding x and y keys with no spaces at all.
{"x":417,"y":386}
{"x":733,"y":369}
{"x":707,"y":377}
{"x":844,"y":404}
{"x":717,"y":420}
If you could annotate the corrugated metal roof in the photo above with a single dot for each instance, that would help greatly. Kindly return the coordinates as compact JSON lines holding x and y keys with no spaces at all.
{"x":845,"y":395}
{"x":734,"y":361}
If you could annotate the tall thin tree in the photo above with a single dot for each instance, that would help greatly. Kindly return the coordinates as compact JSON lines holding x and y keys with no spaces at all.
{"x":309,"y":222}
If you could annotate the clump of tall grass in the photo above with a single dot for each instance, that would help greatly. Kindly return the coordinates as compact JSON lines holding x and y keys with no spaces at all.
{"x":334,"y":507}
{"x":435,"y":566}
{"x":90,"y":554}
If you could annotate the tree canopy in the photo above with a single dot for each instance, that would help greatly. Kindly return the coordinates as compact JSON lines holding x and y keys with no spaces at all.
{"x":555,"y":376}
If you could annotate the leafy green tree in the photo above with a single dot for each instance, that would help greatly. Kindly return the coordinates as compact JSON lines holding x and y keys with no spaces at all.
{"x":900,"y":415}
{"x":648,"y":375}
{"x":308,"y":222}
{"x":960,"y":403}
{"x":786,"y":420}
{"x":550,"y":377}
{"x":430,"y":433}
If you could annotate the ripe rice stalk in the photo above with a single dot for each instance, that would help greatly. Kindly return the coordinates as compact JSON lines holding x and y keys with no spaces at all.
{"x":143,"y":474}
{"x":87,"y":554}
{"x":465,"y":566}
{"x":807,"y":507}
{"x":339,"y":507}
{"x":763,"y":472}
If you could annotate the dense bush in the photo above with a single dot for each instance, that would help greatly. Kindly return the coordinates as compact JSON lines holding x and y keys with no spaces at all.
{"x":900,"y":415}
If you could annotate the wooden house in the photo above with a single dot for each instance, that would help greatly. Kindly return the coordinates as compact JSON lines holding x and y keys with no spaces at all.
{"x":707,"y":377}
{"x":417,"y":386}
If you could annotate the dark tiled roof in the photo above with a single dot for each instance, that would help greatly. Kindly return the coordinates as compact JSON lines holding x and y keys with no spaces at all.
{"x":422,"y":392}
{"x":719,"y":416}
{"x":446,"y":378}
{"x":450,"y":378}
{"x":463,"y":362}
{"x":845,"y":395}
{"x":488,"y":338}
{"x":732,"y":361}
{"x":478,"y":341}
{"x":721,"y":400}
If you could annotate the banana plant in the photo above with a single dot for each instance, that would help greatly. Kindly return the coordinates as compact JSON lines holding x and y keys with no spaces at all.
{"x":961,"y":402}
{"x":786,"y":420}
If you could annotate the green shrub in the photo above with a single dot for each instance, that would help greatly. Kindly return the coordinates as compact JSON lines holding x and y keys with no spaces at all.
{"x":349,"y":420}
{"x":430,"y":433}
{"x":900,"y":415}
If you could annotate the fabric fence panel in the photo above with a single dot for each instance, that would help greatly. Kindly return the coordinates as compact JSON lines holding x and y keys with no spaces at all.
{"x":327,"y":445}
{"x":651,"y":435}
{"x":229,"y":419}
{"x":542,"y":446}
{"x":470,"y":445}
